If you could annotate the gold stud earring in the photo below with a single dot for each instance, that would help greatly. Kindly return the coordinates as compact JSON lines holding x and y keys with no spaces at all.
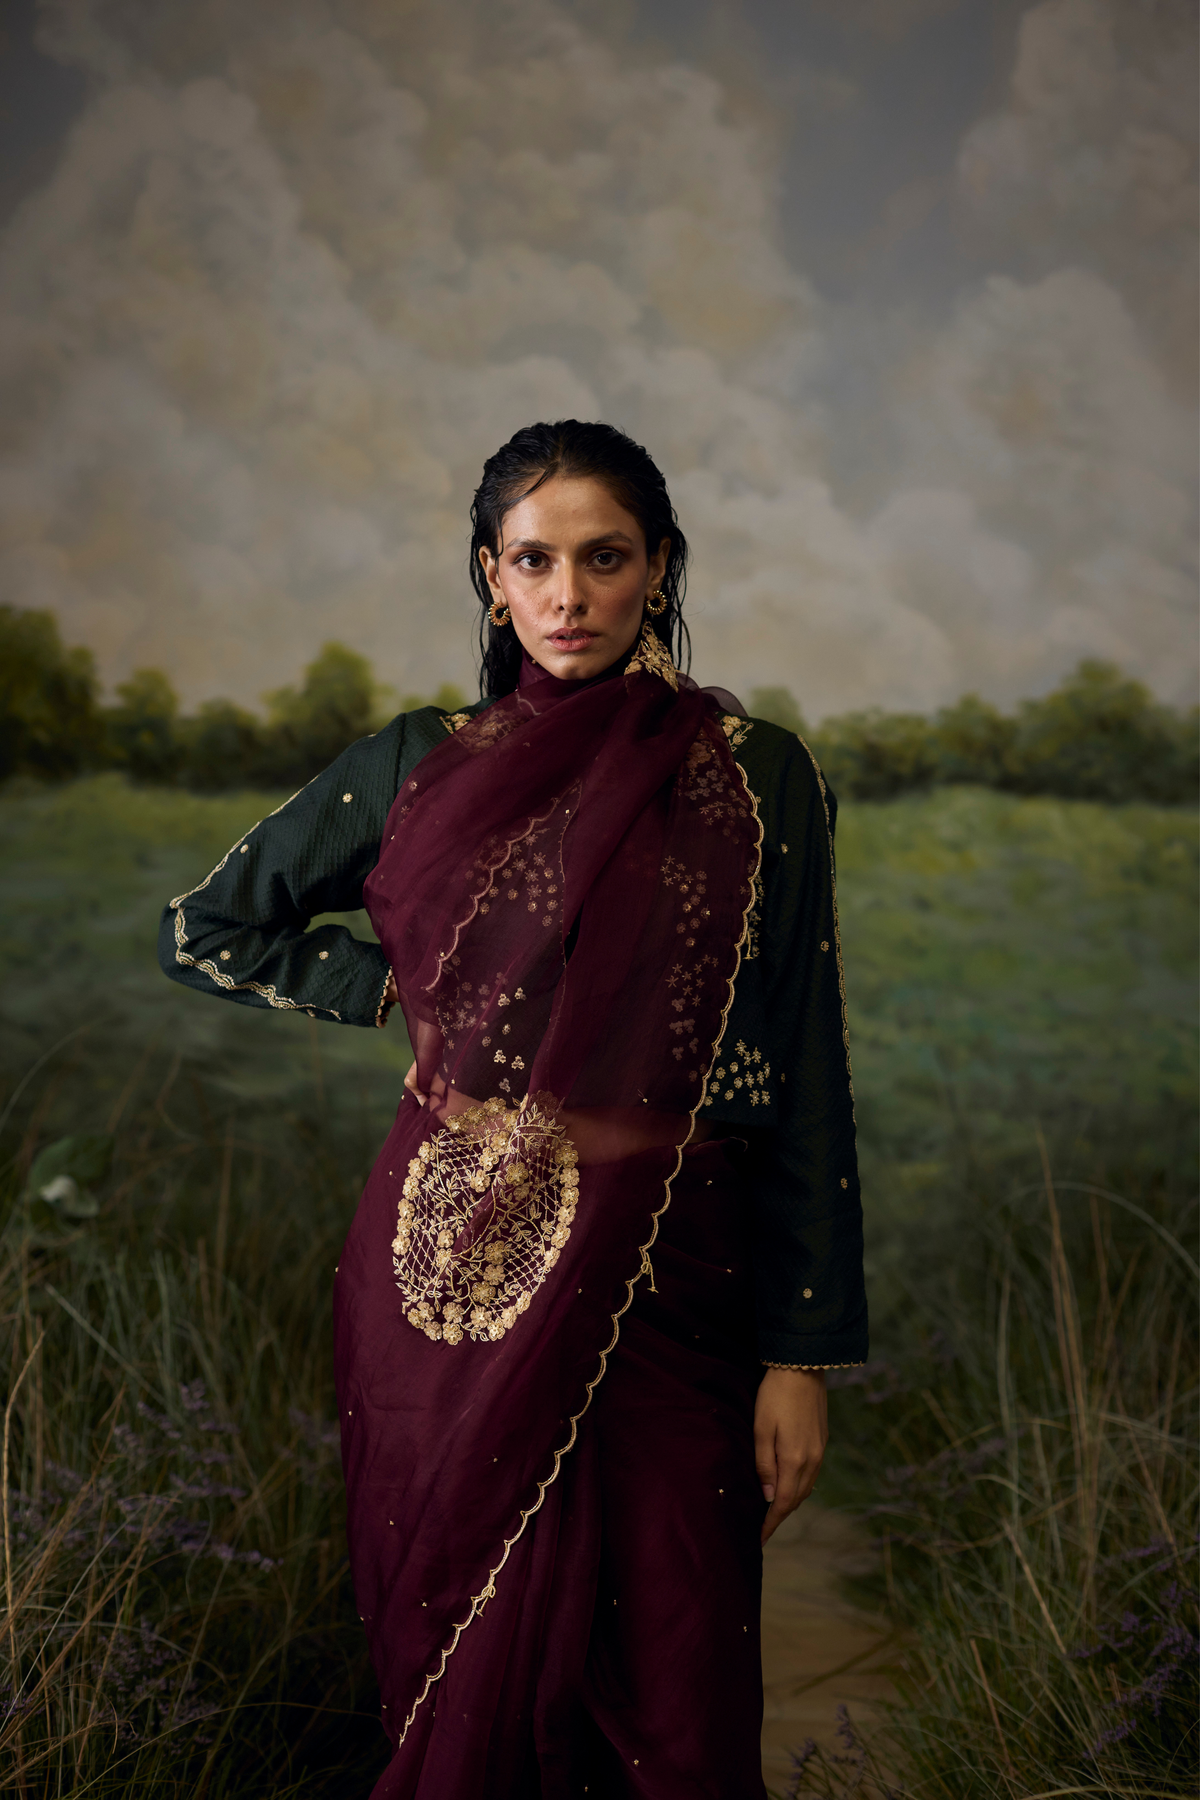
{"x":499,"y":614}
{"x":653,"y":610}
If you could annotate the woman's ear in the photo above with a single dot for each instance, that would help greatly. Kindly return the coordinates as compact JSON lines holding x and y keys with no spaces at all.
{"x":657,"y":566}
{"x":491,"y":569}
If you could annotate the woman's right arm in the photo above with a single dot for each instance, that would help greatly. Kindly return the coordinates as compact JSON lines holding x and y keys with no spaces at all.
{"x":242,"y":934}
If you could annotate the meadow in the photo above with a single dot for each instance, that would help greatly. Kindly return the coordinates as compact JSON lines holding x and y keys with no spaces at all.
{"x":1021,"y":1448}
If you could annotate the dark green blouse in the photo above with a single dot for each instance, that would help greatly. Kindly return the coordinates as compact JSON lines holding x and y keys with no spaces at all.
{"x":782,"y":1074}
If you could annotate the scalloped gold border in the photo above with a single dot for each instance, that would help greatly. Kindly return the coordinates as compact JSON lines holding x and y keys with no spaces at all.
{"x":488,"y":1592}
{"x":270,"y":994}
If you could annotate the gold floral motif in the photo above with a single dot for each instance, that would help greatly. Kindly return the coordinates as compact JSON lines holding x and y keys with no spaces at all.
{"x":456,"y":721}
{"x":736,"y":729}
{"x":754,"y":919}
{"x":747,"y":1072}
{"x":704,"y":781}
{"x":485,"y":1210}
{"x":652,"y":658}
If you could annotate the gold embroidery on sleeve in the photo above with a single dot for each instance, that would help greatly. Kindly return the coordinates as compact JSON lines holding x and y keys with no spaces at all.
{"x":815,"y":1367}
{"x":206,"y":965}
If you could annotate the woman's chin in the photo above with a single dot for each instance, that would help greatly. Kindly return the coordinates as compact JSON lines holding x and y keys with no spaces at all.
{"x":577,"y":664}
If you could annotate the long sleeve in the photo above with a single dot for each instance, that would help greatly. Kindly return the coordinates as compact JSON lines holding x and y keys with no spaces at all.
{"x":242,"y":934}
{"x":812,"y":1304}
{"x":783,"y":1072}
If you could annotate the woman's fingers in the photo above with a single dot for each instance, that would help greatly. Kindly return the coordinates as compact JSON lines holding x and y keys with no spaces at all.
{"x":795,"y":1481}
{"x":410,"y":1082}
{"x":764,"y":1462}
{"x":790,"y":1433}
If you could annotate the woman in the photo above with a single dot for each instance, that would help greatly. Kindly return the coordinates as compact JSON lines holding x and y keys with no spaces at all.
{"x":622,"y":1176}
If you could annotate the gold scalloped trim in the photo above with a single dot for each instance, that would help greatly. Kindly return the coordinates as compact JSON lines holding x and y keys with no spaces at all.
{"x":385,"y":1005}
{"x":270,"y":994}
{"x":488,"y":1592}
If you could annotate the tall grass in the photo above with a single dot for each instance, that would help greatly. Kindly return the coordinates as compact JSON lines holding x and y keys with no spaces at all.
{"x":1037,"y":1515}
{"x":178,"y":1618}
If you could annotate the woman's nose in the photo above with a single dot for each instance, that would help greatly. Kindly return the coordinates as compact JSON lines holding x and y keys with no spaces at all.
{"x":568,"y":595}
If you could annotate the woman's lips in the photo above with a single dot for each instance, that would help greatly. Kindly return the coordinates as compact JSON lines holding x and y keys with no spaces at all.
{"x":572,"y":640}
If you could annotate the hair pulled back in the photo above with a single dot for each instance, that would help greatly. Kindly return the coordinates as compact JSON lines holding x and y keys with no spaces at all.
{"x":577,"y":450}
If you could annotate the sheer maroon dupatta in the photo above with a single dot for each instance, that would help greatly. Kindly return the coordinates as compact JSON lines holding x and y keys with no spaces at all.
{"x":562,"y":892}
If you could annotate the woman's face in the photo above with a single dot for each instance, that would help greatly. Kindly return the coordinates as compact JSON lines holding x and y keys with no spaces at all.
{"x":574,"y":573}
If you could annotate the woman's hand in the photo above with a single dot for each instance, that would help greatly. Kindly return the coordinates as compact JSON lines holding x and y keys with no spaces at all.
{"x":410,"y":1082}
{"x":791,"y":1430}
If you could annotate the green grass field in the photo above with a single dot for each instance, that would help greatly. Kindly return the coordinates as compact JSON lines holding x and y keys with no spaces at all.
{"x":1021,"y":974}
{"x":1005,"y":959}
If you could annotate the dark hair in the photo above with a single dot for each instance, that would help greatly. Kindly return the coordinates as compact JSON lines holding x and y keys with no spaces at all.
{"x":535,"y":454}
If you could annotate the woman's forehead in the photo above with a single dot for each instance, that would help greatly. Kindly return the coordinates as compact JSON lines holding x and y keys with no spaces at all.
{"x":569,"y":510}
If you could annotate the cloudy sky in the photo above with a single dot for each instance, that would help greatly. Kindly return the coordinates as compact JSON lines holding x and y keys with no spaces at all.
{"x":900,"y":293}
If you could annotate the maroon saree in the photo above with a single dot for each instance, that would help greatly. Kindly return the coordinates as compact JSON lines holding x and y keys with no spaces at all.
{"x":562,"y":892}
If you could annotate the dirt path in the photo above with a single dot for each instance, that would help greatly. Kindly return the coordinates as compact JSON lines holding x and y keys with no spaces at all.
{"x":809,"y":1633}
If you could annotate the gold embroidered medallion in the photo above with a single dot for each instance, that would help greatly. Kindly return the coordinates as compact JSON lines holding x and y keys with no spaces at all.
{"x":486,"y":1207}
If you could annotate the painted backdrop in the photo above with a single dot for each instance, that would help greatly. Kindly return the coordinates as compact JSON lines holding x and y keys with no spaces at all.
{"x":900,"y":292}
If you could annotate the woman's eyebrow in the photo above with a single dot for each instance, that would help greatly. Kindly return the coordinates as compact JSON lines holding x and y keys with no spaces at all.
{"x":608,"y":537}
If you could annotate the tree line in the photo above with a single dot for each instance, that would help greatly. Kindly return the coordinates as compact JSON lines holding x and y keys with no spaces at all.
{"x":1099,"y":735}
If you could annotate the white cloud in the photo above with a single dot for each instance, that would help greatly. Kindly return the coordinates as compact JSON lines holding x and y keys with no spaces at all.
{"x":1094,"y":156}
{"x":295,"y":278}
{"x":1042,"y":403}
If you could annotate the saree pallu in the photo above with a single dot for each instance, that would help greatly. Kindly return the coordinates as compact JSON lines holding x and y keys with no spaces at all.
{"x":618,"y":1653}
{"x":562,"y":892}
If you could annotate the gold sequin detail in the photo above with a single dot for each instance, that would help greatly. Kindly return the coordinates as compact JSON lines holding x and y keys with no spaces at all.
{"x":226,"y":955}
{"x":456,"y":721}
{"x":508,"y":1179}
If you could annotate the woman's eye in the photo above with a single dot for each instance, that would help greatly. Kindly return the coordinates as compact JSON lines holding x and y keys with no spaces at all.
{"x":608,"y":559}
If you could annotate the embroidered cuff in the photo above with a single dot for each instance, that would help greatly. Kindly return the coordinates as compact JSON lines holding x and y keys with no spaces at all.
{"x":814,"y":1368}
